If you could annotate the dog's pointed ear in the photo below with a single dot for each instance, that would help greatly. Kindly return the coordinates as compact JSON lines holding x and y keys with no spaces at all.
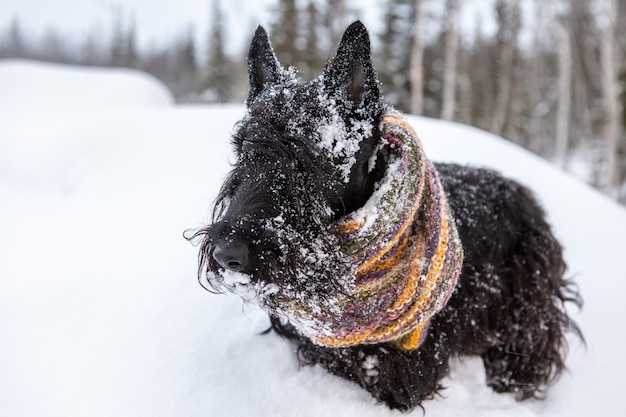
{"x":263,"y":66}
{"x":350,"y":75}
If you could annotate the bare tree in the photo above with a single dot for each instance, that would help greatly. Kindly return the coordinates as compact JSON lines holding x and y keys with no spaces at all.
{"x":118,"y":43}
{"x":564,"y":100}
{"x":129,"y":55}
{"x":586,"y":118}
{"x":465,"y":86}
{"x":215,"y":81}
{"x":336,"y":19}
{"x":482,"y":62}
{"x":610,"y":90}
{"x":285,"y":30}
{"x":17,"y":47}
{"x":311,"y":60}
{"x":452,"y":42}
{"x":509,"y":20}
{"x":417,"y":58}
{"x":621,"y":157}
{"x":536,"y":75}
{"x":393,"y":61}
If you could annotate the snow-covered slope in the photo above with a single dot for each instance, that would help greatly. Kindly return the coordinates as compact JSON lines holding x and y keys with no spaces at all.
{"x":100,"y":311}
{"x":42,"y":89}
{"x":40,"y":104}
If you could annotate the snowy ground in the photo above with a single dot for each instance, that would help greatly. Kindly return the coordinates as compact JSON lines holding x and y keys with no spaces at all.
{"x":100,"y":311}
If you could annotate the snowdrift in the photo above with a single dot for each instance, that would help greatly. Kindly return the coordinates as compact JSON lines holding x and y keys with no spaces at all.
{"x":43,"y":102}
{"x":28,"y":87}
{"x":100,"y":311}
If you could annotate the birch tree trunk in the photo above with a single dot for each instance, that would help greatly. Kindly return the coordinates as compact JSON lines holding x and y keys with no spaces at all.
{"x":536,"y":69}
{"x":417,"y":57}
{"x":504,"y":86}
{"x":565,"y":94}
{"x":610,"y":92}
{"x":449,"y":75}
{"x":465,"y":98}
{"x":507,"y":55}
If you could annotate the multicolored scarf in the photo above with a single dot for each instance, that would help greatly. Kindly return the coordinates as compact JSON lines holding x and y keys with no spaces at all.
{"x":405,"y":250}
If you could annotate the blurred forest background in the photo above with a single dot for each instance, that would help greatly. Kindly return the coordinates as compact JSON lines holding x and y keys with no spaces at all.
{"x":554,"y":83}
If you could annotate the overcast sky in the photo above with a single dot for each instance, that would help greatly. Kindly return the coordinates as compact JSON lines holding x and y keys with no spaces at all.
{"x":159,"y":21}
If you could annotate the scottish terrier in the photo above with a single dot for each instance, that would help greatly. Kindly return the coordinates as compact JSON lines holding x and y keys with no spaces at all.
{"x":378,"y":264}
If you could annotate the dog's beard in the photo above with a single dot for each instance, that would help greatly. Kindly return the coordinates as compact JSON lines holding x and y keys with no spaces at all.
{"x":290,"y":267}
{"x":241,"y":284}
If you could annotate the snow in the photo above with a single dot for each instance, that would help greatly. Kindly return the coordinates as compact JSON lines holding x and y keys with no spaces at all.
{"x":99,"y":89}
{"x":100,"y":310}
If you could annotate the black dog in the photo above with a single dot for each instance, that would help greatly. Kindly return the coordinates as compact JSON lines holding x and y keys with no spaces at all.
{"x":312,"y":153}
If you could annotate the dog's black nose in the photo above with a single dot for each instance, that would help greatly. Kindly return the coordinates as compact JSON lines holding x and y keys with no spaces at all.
{"x":233,"y":256}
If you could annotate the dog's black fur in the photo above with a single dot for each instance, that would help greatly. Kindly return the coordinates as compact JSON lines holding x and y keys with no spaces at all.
{"x":283,"y":195}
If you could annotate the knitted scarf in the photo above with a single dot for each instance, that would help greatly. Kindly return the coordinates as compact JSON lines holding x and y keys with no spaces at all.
{"x":405,"y":252}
